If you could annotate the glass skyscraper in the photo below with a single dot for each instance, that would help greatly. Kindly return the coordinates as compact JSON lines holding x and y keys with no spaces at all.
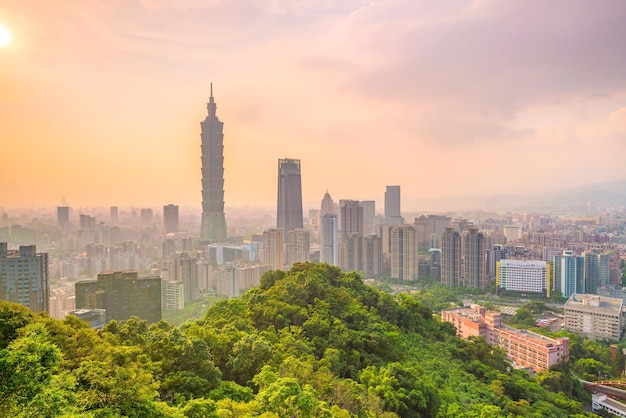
{"x":289,"y":211}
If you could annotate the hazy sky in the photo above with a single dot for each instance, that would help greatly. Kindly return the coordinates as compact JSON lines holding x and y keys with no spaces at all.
{"x":101,"y":101}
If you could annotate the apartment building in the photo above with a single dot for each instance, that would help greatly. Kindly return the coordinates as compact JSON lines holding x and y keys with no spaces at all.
{"x":595,"y":316}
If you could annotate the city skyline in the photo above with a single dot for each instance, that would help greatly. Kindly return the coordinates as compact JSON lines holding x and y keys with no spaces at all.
{"x":461,"y":99}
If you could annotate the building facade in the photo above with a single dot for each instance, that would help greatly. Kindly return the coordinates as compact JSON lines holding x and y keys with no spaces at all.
{"x":404,"y":253}
{"x":122,"y":294}
{"x":523,"y":276}
{"x":524,"y":348}
{"x":329,"y":240}
{"x":170,"y":219}
{"x":24,"y":277}
{"x":393,"y":215}
{"x":273,"y":248}
{"x":450,"y":257}
{"x":474,"y":273}
{"x":289,"y":208}
{"x":595,"y":317}
{"x":298,"y":247}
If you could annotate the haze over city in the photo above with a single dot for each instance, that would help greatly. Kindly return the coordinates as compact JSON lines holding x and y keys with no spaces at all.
{"x":101,"y":102}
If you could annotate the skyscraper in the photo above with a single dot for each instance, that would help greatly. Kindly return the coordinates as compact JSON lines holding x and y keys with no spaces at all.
{"x":404,"y":262}
{"x":569,"y":273}
{"x":351,"y":218}
{"x":329,"y":248}
{"x":289,"y":208}
{"x":474,"y":274}
{"x":328,"y":206}
{"x":170,"y":219}
{"x":597,"y":271}
{"x":450,"y":257}
{"x":24,"y":277}
{"x":114,"y":215}
{"x":213,"y":227}
{"x":392,"y":206}
{"x":63,"y":216}
{"x":298,"y":246}
{"x":273,"y":248}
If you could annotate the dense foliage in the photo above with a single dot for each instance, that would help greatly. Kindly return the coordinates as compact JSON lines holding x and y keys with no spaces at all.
{"x":311,"y":342}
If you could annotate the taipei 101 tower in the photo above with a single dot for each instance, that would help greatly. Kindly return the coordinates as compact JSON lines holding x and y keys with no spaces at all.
{"x":213,"y":227}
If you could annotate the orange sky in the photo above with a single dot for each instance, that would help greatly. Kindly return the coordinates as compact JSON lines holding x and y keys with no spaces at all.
{"x":101,"y":101}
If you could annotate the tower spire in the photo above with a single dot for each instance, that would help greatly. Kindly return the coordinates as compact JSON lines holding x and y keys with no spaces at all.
{"x":211,"y":90}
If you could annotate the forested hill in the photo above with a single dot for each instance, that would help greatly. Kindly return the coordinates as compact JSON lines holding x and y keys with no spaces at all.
{"x":311,"y":342}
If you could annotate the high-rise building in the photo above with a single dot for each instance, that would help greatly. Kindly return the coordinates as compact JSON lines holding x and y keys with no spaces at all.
{"x":24,"y":277}
{"x":213,"y":226}
{"x":496,"y":253}
{"x":114,"y":215}
{"x":369,"y":213}
{"x":147,"y":215}
{"x":392,"y":206}
{"x":184,"y":269}
{"x":351,"y":218}
{"x":569,"y":274}
{"x":404,"y":261}
{"x":273,"y":248}
{"x":450,"y":257}
{"x":597,"y":271}
{"x":170,"y":219}
{"x":289,"y":208}
{"x":474,"y":274}
{"x":122,"y":294}
{"x":298,"y":246}
{"x":63,"y":216}
{"x":372,"y":255}
{"x":329,"y":248}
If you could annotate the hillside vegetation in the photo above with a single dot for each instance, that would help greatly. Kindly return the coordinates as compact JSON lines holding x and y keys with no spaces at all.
{"x":310,"y":342}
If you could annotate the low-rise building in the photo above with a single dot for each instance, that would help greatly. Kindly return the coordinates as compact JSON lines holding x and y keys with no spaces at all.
{"x":595,"y":316}
{"x":524,"y":348}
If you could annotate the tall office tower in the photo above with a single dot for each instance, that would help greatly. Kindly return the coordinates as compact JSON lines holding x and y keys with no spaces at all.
{"x":474,"y":274}
{"x":168,"y":249}
{"x":24,"y":277}
{"x":351,"y":218}
{"x":63,"y":217}
{"x":298,"y":247}
{"x":392,"y":206}
{"x":494,"y":254}
{"x":404,"y":263}
{"x":597,"y":271}
{"x":87,"y":221}
{"x":328,"y":206}
{"x":369,"y":213}
{"x":424,"y":229}
{"x":213,"y":227}
{"x":289,"y":208}
{"x":351,"y":252}
{"x":114,"y":215}
{"x":329,"y":248}
{"x":273,"y":248}
{"x":372,"y":255}
{"x":147,"y":215}
{"x":450,"y":257}
{"x":170,"y":219}
{"x":185,"y":269}
{"x":122,"y":294}
{"x":569,"y":274}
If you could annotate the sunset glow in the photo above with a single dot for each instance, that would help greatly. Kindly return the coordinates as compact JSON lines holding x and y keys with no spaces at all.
{"x":103,"y":101}
{"x":5,"y":36}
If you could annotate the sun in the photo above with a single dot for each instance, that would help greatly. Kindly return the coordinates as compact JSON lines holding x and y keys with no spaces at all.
{"x":5,"y":36}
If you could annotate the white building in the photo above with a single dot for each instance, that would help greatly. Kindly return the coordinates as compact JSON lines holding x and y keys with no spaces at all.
{"x":523,"y":276}
{"x":595,"y":316}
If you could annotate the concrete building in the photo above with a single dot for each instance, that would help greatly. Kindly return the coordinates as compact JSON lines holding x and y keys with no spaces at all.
{"x":114,"y":215}
{"x":523,"y":276}
{"x":595,"y":317}
{"x":369,"y":214}
{"x":250,"y":276}
{"x":524,"y":348}
{"x":228,"y":281}
{"x":273,"y":249}
{"x":184,"y":269}
{"x":329,"y":240}
{"x":213,"y":226}
{"x":289,"y":208}
{"x":172,"y":295}
{"x":404,"y":264}
{"x":393,"y":215}
{"x":569,"y":274}
{"x":97,"y":318}
{"x":450,"y":257}
{"x":24,"y":277}
{"x":122,"y":294}
{"x":170,"y":219}
{"x":474,"y":273}
{"x":351,"y":218}
{"x":298,"y":246}
{"x":597,"y":271}
{"x":372,"y":255}
{"x":63,"y":217}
